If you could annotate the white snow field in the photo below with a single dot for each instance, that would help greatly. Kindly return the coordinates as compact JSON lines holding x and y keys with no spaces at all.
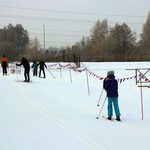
{"x":55,"y":114}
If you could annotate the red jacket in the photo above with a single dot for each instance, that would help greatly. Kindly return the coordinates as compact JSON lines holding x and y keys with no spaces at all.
{"x":4,"y":62}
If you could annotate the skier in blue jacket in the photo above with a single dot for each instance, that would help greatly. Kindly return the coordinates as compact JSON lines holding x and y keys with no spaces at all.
{"x":110,"y":84}
{"x":35,"y":68}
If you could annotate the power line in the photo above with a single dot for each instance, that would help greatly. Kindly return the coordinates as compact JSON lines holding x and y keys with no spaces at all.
{"x":71,"y":12}
{"x":56,"y":19}
{"x":69,"y":35}
{"x":44,"y":18}
{"x":52,"y":30}
{"x":59,"y":30}
{"x":60,"y":42}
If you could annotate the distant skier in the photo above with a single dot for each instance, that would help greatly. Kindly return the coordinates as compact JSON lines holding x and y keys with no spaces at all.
{"x":26,"y":66}
{"x":110,"y":84}
{"x":35,"y":68}
{"x":42,"y":66}
{"x":4,"y":63}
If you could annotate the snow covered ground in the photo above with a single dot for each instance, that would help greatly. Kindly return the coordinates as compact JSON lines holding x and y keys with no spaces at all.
{"x":55,"y":114}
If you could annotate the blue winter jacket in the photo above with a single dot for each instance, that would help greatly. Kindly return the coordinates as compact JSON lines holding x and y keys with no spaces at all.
{"x":110,"y":84}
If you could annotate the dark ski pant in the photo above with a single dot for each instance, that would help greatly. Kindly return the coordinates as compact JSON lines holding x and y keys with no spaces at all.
{"x":26,"y":74}
{"x":34,"y":72}
{"x":4,"y":70}
{"x":43,"y":73}
{"x":113,"y":101}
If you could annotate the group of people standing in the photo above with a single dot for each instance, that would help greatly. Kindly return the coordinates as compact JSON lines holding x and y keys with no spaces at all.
{"x":41,"y":65}
{"x":26,"y":65}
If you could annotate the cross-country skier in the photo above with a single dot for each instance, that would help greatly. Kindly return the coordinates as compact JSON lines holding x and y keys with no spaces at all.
{"x":26,"y":66}
{"x":110,"y":84}
{"x":42,"y":66}
{"x":4,"y":63}
{"x":35,"y":68}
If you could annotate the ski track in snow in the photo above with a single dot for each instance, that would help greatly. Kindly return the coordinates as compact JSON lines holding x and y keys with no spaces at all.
{"x":63,"y":123}
{"x":50,"y":105}
{"x":77,"y":133}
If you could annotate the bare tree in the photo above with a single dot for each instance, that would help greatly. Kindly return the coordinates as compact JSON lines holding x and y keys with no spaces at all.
{"x":122,"y":40}
{"x":13,"y":40}
{"x":99,"y":34}
{"x":146,"y":34}
{"x":33,"y":49}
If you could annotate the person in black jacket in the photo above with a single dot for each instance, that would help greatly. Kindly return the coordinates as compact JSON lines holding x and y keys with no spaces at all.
{"x":26,"y":66}
{"x":42,"y":66}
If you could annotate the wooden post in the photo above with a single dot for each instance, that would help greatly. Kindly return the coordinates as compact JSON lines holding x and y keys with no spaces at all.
{"x":60,"y":72}
{"x":70,"y":75}
{"x":141,"y":75}
{"x":141,"y":101}
{"x":87,"y":82}
{"x":136,"y":75}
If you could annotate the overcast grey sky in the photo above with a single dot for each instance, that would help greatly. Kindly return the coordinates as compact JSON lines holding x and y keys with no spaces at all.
{"x":67,"y":21}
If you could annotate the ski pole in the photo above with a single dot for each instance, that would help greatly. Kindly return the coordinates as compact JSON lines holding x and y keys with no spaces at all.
{"x":51,"y":73}
{"x":100,"y":97}
{"x":101,"y":108}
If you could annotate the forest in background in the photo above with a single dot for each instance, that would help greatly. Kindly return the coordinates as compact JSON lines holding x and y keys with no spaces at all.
{"x":117,"y":43}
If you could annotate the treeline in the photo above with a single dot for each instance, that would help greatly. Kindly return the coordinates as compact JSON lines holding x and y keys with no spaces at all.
{"x":13,"y":40}
{"x":15,"y":44}
{"x":117,"y":43}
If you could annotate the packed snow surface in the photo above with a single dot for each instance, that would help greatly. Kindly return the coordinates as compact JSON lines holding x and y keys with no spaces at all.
{"x":60,"y":114}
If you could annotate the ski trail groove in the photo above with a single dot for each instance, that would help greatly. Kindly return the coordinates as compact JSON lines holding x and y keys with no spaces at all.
{"x":77,"y":133}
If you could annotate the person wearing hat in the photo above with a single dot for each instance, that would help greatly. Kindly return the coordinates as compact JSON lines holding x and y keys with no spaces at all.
{"x":4,"y":63}
{"x":110,"y":85}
